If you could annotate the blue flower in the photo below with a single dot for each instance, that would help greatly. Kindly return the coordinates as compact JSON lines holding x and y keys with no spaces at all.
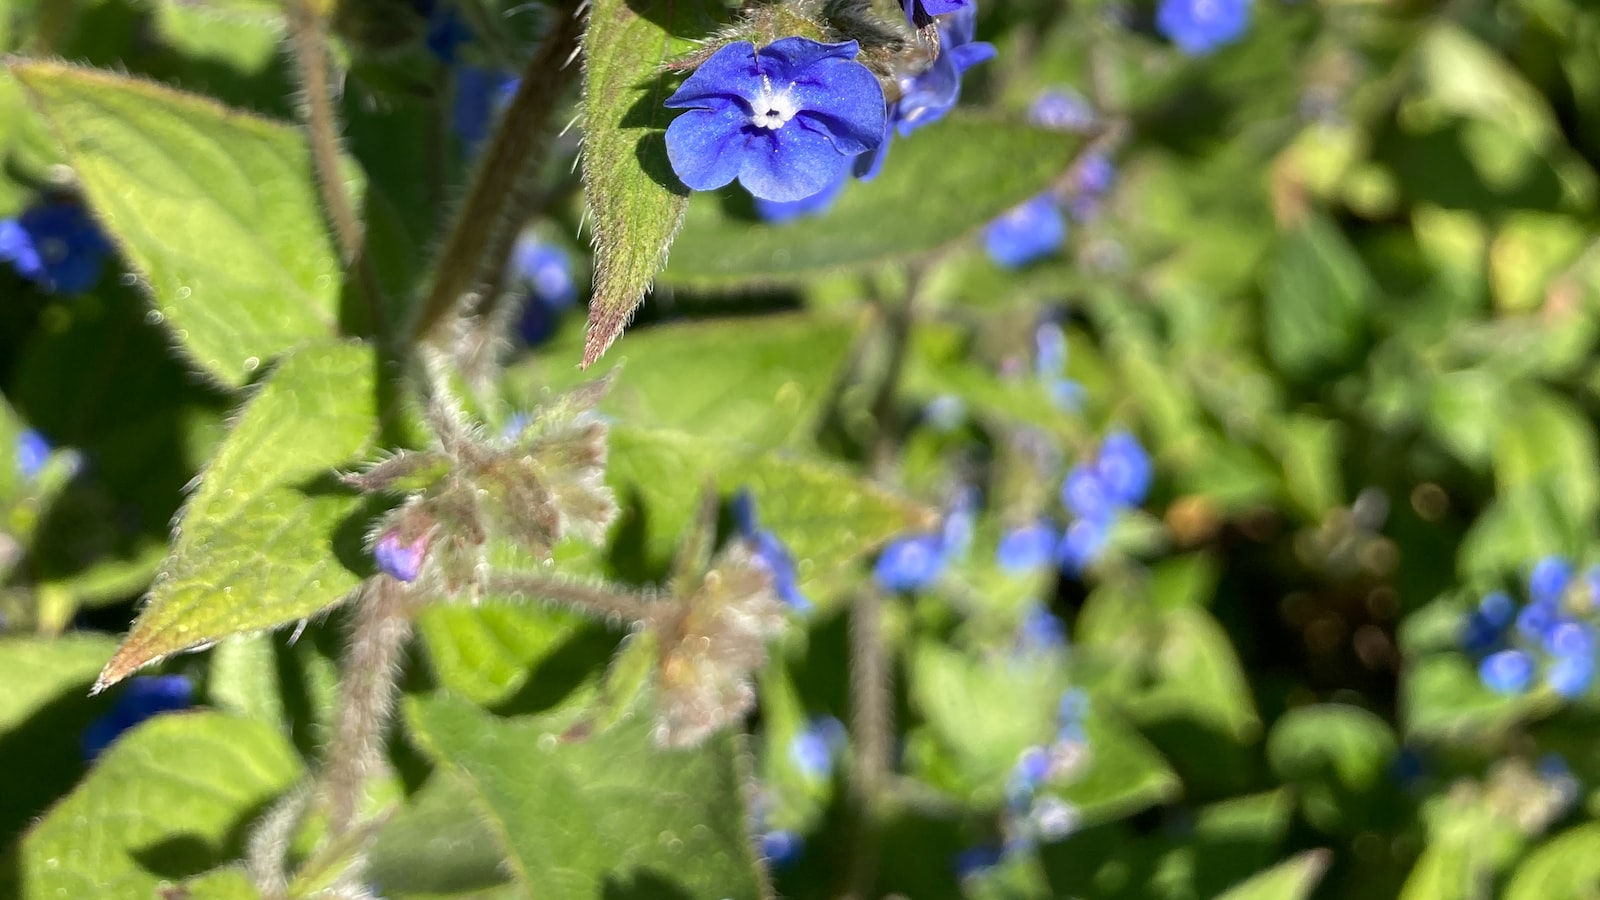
{"x":1124,"y":469}
{"x":397,"y":558}
{"x":1086,"y":495}
{"x":1062,"y":110}
{"x":955,"y":538}
{"x":1198,"y":27}
{"x":1537,"y":618}
{"x":1026,"y":548}
{"x":55,"y":245}
{"x":480,"y":95}
{"x":1041,"y":630}
{"x":1095,"y":175}
{"x":1027,"y":233}
{"x":33,"y":451}
{"x":910,"y":563}
{"x":777,"y":212}
{"x":921,"y":12}
{"x":781,"y":847}
{"x":1549,"y":580}
{"x":1570,"y":676}
{"x":927,"y":95}
{"x":545,"y":272}
{"x":1506,"y":672}
{"x":812,"y":750}
{"x":785,"y":120}
{"x":446,"y":31}
{"x":143,"y":698}
{"x":1072,"y":707}
{"x":1568,"y":638}
{"x":1497,"y":608}
{"x":1081,"y":545}
{"x":770,"y":552}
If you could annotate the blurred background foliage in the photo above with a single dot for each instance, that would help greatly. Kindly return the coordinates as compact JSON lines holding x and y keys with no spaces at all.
{"x":1343,"y":289}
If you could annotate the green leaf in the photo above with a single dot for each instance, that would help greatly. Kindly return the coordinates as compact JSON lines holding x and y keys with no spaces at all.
{"x":43,"y":713}
{"x":1197,"y":676}
{"x":215,"y":209}
{"x":1442,"y":699}
{"x":167,"y":800}
{"x":438,"y":844}
{"x":610,"y":815}
{"x":257,"y":543}
{"x":763,"y":381}
{"x":1124,"y":775}
{"x":828,"y":517}
{"x":1316,"y":298}
{"x":1338,"y":756}
{"x":632,"y":194}
{"x":1566,"y":867}
{"x":488,"y":652}
{"x":1292,"y":879}
{"x":938,"y":186}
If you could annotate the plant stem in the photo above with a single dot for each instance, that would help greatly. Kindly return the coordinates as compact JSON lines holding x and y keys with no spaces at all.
{"x":322,"y":131}
{"x":503,"y":192}
{"x":600,"y":601}
{"x":368,"y":684}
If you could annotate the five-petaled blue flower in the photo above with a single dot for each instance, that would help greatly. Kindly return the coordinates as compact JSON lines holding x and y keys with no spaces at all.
{"x":1198,"y":27}
{"x":1029,"y":232}
{"x":55,"y":245}
{"x":785,"y":120}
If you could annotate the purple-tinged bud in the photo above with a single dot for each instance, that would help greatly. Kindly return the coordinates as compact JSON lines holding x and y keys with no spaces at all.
{"x":400,"y":559}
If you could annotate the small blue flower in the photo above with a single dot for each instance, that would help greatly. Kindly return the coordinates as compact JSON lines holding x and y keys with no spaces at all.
{"x":921,"y":12}
{"x":480,"y":96}
{"x":974,"y":861}
{"x":786,"y":120}
{"x":1027,"y":548}
{"x":1198,"y":27}
{"x":955,"y":538}
{"x":1081,"y":545}
{"x":545,"y":272}
{"x":910,"y":563}
{"x":56,"y":245}
{"x":1506,"y":672}
{"x":1062,"y":110}
{"x":1537,"y":618}
{"x":770,"y":552}
{"x":1086,"y":495}
{"x":1041,"y":630}
{"x":1027,"y":233}
{"x":1570,"y":676}
{"x":1050,"y":350}
{"x":1497,"y":608}
{"x":143,"y":698}
{"x":33,"y":451}
{"x":1549,"y":579}
{"x":1073,"y":706}
{"x":781,"y":847}
{"x":1124,"y":468}
{"x":398,"y":559}
{"x":1096,"y":174}
{"x":813,"y":750}
{"x":1568,"y":638}
{"x":778,"y":212}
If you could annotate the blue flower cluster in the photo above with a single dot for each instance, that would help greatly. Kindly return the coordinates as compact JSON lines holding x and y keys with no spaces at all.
{"x":915,"y":562}
{"x":56,"y":245}
{"x":769,"y":551}
{"x":1097,"y":492}
{"x":1198,"y":27}
{"x":1551,"y":639}
{"x":142,"y":699}
{"x":543,"y":272}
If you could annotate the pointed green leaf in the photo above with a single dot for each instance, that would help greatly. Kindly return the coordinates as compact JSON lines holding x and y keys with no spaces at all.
{"x":486,"y":653}
{"x":939,"y":185}
{"x":1292,"y":879}
{"x":438,"y":844}
{"x":612,"y":813}
{"x":763,"y":380}
{"x":257,"y":543}
{"x":215,"y":209}
{"x":1566,"y":867}
{"x":633,"y":197}
{"x":168,"y":800}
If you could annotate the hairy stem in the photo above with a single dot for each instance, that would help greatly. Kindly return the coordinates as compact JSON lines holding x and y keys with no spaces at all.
{"x":600,"y":601}
{"x":504,"y":192}
{"x":307,"y":38}
{"x":367,"y":687}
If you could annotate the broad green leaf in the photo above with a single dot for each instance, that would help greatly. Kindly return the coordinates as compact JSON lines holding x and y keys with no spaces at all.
{"x":1442,"y":698}
{"x":827,"y":516}
{"x":438,"y":844}
{"x":938,"y":186}
{"x":1543,"y":437}
{"x":1566,"y":867}
{"x":632,"y":194}
{"x":258,"y":544}
{"x":612,"y":813}
{"x":229,"y":883}
{"x":1124,"y":774}
{"x":487,"y":652}
{"x":1316,"y":298}
{"x":1339,"y":757}
{"x":216,"y":210}
{"x":168,"y":800}
{"x":1292,"y":879}
{"x":43,"y":713}
{"x":1196,"y":675}
{"x":763,"y":381}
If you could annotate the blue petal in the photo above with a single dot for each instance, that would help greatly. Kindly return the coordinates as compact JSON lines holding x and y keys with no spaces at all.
{"x":802,"y":161}
{"x":705,"y":148}
{"x":847,"y":100}
{"x":794,"y":59}
{"x":729,"y":73}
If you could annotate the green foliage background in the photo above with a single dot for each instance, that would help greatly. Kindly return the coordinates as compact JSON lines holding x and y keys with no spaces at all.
{"x":1345,"y":289}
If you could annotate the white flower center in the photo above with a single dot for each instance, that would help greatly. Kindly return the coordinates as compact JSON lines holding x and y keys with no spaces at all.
{"x":771,"y":109}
